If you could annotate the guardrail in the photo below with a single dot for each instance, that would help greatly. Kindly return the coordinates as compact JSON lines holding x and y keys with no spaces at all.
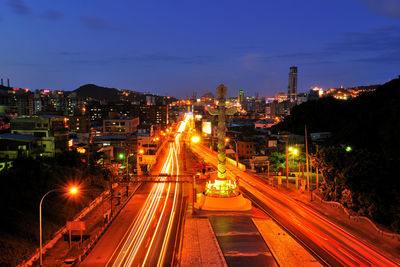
{"x":358,"y":218}
{"x":94,"y":240}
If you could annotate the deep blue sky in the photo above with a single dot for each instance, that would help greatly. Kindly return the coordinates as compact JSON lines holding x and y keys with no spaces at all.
{"x":178,"y":47}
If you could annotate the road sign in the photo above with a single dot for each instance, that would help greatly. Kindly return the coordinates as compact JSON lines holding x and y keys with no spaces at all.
{"x":75,"y":226}
{"x":148,"y":159}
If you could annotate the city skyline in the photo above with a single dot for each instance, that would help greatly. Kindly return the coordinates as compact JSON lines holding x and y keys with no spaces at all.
{"x":177,"y":49}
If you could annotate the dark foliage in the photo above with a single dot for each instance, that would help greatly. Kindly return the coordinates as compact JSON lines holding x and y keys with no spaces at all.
{"x":22,"y":187}
{"x":365,"y":179}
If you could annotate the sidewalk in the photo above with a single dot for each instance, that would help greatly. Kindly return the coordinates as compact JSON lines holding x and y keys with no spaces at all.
{"x":200,"y":247}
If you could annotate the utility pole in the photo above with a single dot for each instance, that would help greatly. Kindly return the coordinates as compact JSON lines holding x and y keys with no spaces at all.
{"x":308,"y":175}
{"x":111,"y":196}
{"x":194,"y":192}
{"x":316,"y":170}
{"x":287,"y":163}
{"x":237,"y":157}
{"x":127,"y":165}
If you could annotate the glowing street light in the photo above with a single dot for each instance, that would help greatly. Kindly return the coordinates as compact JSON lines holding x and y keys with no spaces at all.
{"x":195,"y":139}
{"x":73,"y":191}
{"x":141,"y":151}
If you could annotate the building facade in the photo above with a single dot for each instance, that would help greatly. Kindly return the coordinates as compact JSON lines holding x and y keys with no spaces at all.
{"x":51,"y":130}
{"x":292,"y":88}
{"x":120,"y":126}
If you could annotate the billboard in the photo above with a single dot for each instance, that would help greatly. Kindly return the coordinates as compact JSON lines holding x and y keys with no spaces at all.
{"x":148,"y":159}
{"x":206,"y":127}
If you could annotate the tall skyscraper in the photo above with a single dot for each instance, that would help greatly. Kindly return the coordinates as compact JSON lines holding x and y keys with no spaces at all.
{"x":292,"y":88}
{"x":241,"y":96}
{"x":242,"y":100}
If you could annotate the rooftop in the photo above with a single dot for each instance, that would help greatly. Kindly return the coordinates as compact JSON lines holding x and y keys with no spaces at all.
{"x":18,"y":137}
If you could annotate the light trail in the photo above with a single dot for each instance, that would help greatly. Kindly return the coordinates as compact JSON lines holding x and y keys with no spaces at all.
{"x":143,"y":223}
{"x":147,"y":227}
{"x":329,"y":242}
{"x":171,"y":218}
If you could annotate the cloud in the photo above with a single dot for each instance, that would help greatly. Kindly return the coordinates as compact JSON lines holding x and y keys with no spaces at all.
{"x":246,"y":47}
{"x":385,"y":58}
{"x":380,"y":39}
{"x":94,"y":23}
{"x":296,"y":55}
{"x":52,"y":15}
{"x":389,"y":8}
{"x":145,"y":58}
{"x":380,"y":45}
{"x":67,"y":53}
{"x":160,"y":57}
{"x":19,"y":7}
{"x":253,"y":61}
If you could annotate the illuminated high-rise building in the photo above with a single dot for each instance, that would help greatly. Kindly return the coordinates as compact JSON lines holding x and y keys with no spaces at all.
{"x":241,"y":97}
{"x":292,"y":88}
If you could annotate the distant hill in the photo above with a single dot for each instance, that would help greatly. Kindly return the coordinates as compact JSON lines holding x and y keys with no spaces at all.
{"x":98,"y":92}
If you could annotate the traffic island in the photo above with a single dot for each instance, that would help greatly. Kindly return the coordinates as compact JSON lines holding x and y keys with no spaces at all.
{"x":222,"y":195}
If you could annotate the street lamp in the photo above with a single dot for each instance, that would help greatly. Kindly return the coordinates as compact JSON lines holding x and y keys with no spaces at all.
{"x":73,"y":191}
{"x":195,"y":139}
{"x":294,"y":152}
{"x":286,"y":135}
{"x":127,"y":165}
{"x":138,"y":169}
{"x":227,"y":139}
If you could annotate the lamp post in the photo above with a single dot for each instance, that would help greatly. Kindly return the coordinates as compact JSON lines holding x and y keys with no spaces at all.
{"x":127,"y":164}
{"x":138,"y":169}
{"x":227,"y":139}
{"x":286,"y":136}
{"x":72,"y":191}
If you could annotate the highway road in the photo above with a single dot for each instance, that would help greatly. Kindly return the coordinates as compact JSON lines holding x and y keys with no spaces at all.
{"x":331,"y":244}
{"x":150,"y":238}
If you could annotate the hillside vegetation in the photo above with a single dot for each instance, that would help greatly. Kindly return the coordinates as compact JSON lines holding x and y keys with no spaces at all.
{"x":22,"y":187}
{"x":365,"y":179}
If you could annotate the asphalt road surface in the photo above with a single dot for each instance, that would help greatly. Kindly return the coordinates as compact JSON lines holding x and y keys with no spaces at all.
{"x":331,"y":244}
{"x":145,"y":231}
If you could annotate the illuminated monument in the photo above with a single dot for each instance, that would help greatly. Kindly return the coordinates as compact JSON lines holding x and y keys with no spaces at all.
{"x":221,"y":193}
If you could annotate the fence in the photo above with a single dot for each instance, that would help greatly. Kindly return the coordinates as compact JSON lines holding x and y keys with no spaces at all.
{"x":358,"y":218}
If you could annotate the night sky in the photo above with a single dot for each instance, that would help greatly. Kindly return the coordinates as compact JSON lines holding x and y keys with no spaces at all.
{"x":178,"y":47}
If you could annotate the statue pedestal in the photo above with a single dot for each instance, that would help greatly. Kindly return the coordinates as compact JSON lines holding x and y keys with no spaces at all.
{"x":235,"y":203}
{"x":222,"y":195}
